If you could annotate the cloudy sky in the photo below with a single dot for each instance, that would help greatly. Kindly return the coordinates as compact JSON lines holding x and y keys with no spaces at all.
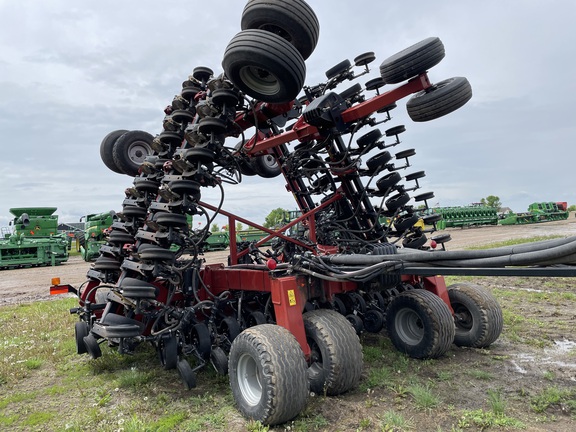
{"x":72,"y":71}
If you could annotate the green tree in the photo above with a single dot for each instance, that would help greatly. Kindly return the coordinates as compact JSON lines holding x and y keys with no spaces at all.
{"x":239,"y":226}
{"x":491,"y":201}
{"x":572,"y":207}
{"x":276,"y":217}
{"x":214,"y":227}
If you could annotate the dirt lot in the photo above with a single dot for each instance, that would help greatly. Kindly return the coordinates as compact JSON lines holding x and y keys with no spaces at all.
{"x":530,"y":370}
{"x":29,"y":284}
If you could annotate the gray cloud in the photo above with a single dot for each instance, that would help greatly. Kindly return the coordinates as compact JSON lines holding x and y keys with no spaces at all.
{"x":71,"y":73}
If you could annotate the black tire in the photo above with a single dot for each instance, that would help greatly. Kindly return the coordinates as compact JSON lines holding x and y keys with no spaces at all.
{"x":396,"y":130}
{"x":202,"y":73}
{"x":264,"y":66}
{"x":388,"y":181}
{"x":153,"y":252}
{"x":373,"y":321}
{"x":219,"y":360}
{"x":139,"y":292}
{"x":293,"y":20}
{"x":133,"y":211}
{"x":185,"y":187}
{"x":431,"y":218}
{"x":255,"y":318}
{"x":230,"y":328}
{"x":351,"y":92}
{"x":268,"y":384}
{"x":266,"y":166}
{"x":92,"y":347}
{"x":122,"y":331}
{"x":440,"y":99}
{"x":106,"y":148}
{"x":130,"y":150}
{"x":415,"y":175}
{"x":336,"y":360}
{"x":168,"y":351}
{"x":144,"y":185}
{"x":81,"y":330}
{"x":396,"y":201}
{"x":442,"y":238}
{"x":375,"y":84}
{"x":414,"y":241}
{"x":424,"y":196}
{"x":412,"y":61}
{"x":104,"y":263}
{"x":119,"y":238}
{"x":187,"y":375}
{"x":404,"y":154}
{"x":379,"y":161}
{"x":339,"y":68}
{"x":404,"y":222}
{"x":478,"y":315}
{"x":369,"y":138}
{"x":200,"y":339}
{"x":420,"y":324}
{"x":356,"y":323}
{"x":171,"y":219}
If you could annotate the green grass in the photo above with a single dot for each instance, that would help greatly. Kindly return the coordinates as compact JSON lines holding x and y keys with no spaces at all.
{"x":513,"y":242}
{"x":45,"y":385}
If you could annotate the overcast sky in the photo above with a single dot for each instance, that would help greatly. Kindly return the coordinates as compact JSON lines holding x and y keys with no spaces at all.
{"x":72,"y":71}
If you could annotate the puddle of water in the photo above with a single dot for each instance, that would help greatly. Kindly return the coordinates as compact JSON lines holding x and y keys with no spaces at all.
{"x":561,"y":347}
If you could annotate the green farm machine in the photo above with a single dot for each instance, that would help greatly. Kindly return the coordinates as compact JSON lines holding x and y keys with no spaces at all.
{"x":34,"y":239}
{"x":538,"y":212}
{"x":466,"y":216}
{"x":95,"y":227}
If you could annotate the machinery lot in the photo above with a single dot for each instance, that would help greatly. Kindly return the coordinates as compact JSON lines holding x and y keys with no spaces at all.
{"x":30,"y":284}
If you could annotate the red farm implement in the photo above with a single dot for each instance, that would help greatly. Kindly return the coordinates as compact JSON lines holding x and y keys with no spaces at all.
{"x":284,"y":320}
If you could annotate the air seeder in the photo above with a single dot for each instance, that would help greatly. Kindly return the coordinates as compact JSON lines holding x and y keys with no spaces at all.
{"x":283,"y":320}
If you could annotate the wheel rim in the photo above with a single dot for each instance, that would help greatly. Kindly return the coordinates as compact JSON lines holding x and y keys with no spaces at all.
{"x":249,"y":379}
{"x":465,"y":320}
{"x":260,"y":80}
{"x":138,"y":151}
{"x":269,"y":161}
{"x":409,"y":326}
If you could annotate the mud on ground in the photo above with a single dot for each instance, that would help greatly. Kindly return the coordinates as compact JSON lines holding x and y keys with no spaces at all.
{"x":535,"y":354}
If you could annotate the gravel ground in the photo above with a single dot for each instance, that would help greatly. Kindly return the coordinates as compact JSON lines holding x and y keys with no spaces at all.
{"x":31,"y":284}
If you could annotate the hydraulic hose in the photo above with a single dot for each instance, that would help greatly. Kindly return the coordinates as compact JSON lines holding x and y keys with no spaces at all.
{"x":547,"y":252}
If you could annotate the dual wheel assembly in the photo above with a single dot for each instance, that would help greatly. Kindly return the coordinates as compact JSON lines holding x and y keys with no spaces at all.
{"x":272,"y":384}
{"x":421,"y":325}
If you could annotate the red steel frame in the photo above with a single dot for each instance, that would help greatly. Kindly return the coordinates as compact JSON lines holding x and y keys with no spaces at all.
{"x":289,"y":293}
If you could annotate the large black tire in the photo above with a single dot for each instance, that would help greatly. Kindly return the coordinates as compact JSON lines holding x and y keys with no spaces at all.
{"x":293,"y":20}
{"x":266,"y":166}
{"x":440,"y":99}
{"x":336,"y":361}
{"x":478,"y":315}
{"x":420,"y":324}
{"x":106,"y":148}
{"x":267,"y":373}
{"x":264,"y":66}
{"x":412,"y":61}
{"x":130,"y":150}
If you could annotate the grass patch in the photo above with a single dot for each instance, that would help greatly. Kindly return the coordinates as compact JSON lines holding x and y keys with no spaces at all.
{"x":513,"y":242}
{"x":486,"y":419}
{"x":423,"y":396}
{"x":554,"y":397}
{"x":395,"y":421}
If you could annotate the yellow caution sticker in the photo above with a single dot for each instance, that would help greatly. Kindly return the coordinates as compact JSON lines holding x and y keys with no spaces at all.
{"x":291,"y":298}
